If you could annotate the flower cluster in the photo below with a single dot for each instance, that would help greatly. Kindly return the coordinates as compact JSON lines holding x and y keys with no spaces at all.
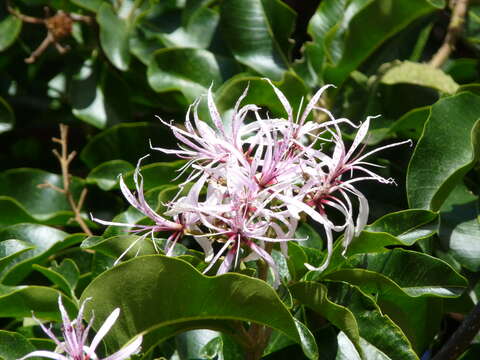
{"x":251,"y":182}
{"x":75,"y":336}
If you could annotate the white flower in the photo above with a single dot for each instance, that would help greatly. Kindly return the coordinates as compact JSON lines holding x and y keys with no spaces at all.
{"x":75,"y":335}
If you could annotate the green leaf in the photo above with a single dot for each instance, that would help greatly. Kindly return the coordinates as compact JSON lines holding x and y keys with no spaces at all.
{"x":257,"y":32}
{"x":127,"y":141}
{"x":419,"y":74}
{"x":372,"y":24}
{"x":91,"y":5}
{"x":195,"y":343}
{"x":20,"y":301}
{"x":416,"y":274}
{"x":13,"y":345}
{"x":193,"y":27}
{"x":446,"y":151}
{"x":10,"y":249}
{"x":10,"y":27}
{"x":7,"y":118}
{"x":106,"y":175}
{"x":43,"y":204}
{"x":406,"y":227}
{"x":419,"y":317}
{"x":463,"y":70}
{"x":114,"y":36}
{"x":163,"y":305}
{"x":14,"y":213}
{"x":305,"y":231}
{"x":157,"y":174}
{"x":45,"y":241}
{"x":460,"y":227}
{"x":99,"y":96}
{"x":411,"y":124}
{"x":314,"y":296}
{"x":374,"y":327}
{"x":187,"y":70}
{"x":115,"y":246}
{"x":65,"y":275}
{"x":260,"y":92}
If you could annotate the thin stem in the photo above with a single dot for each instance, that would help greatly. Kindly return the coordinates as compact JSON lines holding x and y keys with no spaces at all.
{"x":24,"y":18}
{"x":462,"y":337}
{"x":455,"y":27}
{"x":65,"y":158}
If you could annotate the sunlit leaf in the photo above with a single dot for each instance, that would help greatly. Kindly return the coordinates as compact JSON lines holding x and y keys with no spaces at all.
{"x":460,"y":227}
{"x":226,"y":298}
{"x":436,"y":166}
{"x":419,"y":74}
{"x":257,"y":32}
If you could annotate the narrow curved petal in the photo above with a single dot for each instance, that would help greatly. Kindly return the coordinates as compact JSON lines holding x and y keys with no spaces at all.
{"x":127,"y":351}
{"x":104,"y":329}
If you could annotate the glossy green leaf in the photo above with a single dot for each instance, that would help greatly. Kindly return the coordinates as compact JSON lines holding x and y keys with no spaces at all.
{"x":7,"y":118}
{"x":296,"y":261}
{"x":127,"y":141}
{"x":115,"y":246}
{"x":10,"y":27}
{"x":13,"y":345}
{"x":187,"y":70}
{"x":415,"y":273}
{"x":407,"y":225}
{"x":99,"y":96}
{"x":140,"y":284}
{"x":305,"y":231}
{"x":196,"y":344}
{"x":114,"y":36}
{"x":437,"y":166}
{"x":418,"y":317}
{"x":419,"y":74}
{"x":314,"y":296}
{"x":260,"y":92}
{"x":402,"y":228}
{"x":411,"y":124}
{"x":65,"y":275}
{"x":106,"y":175}
{"x":460,"y":227}
{"x":14,"y":213}
{"x":27,"y":199}
{"x":362,"y":35}
{"x":194,"y":26}
{"x":390,"y":340}
{"x":257,"y":32}
{"x":20,"y":301}
{"x":347,"y":351}
{"x":45,"y":241}
{"x":157,"y":174}
{"x":10,"y":249}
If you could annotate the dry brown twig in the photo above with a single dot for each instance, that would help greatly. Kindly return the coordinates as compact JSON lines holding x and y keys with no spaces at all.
{"x":455,"y":27}
{"x":65,"y":158}
{"x":59,"y":26}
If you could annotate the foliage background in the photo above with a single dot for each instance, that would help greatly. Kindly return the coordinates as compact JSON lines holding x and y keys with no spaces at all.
{"x":408,"y":280}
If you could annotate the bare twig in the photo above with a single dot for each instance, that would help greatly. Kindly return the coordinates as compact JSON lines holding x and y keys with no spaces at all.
{"x":455,"y":27}
{"x":65,"y":158}
{"x":462,"y":337}
{"x":59,"y":26}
